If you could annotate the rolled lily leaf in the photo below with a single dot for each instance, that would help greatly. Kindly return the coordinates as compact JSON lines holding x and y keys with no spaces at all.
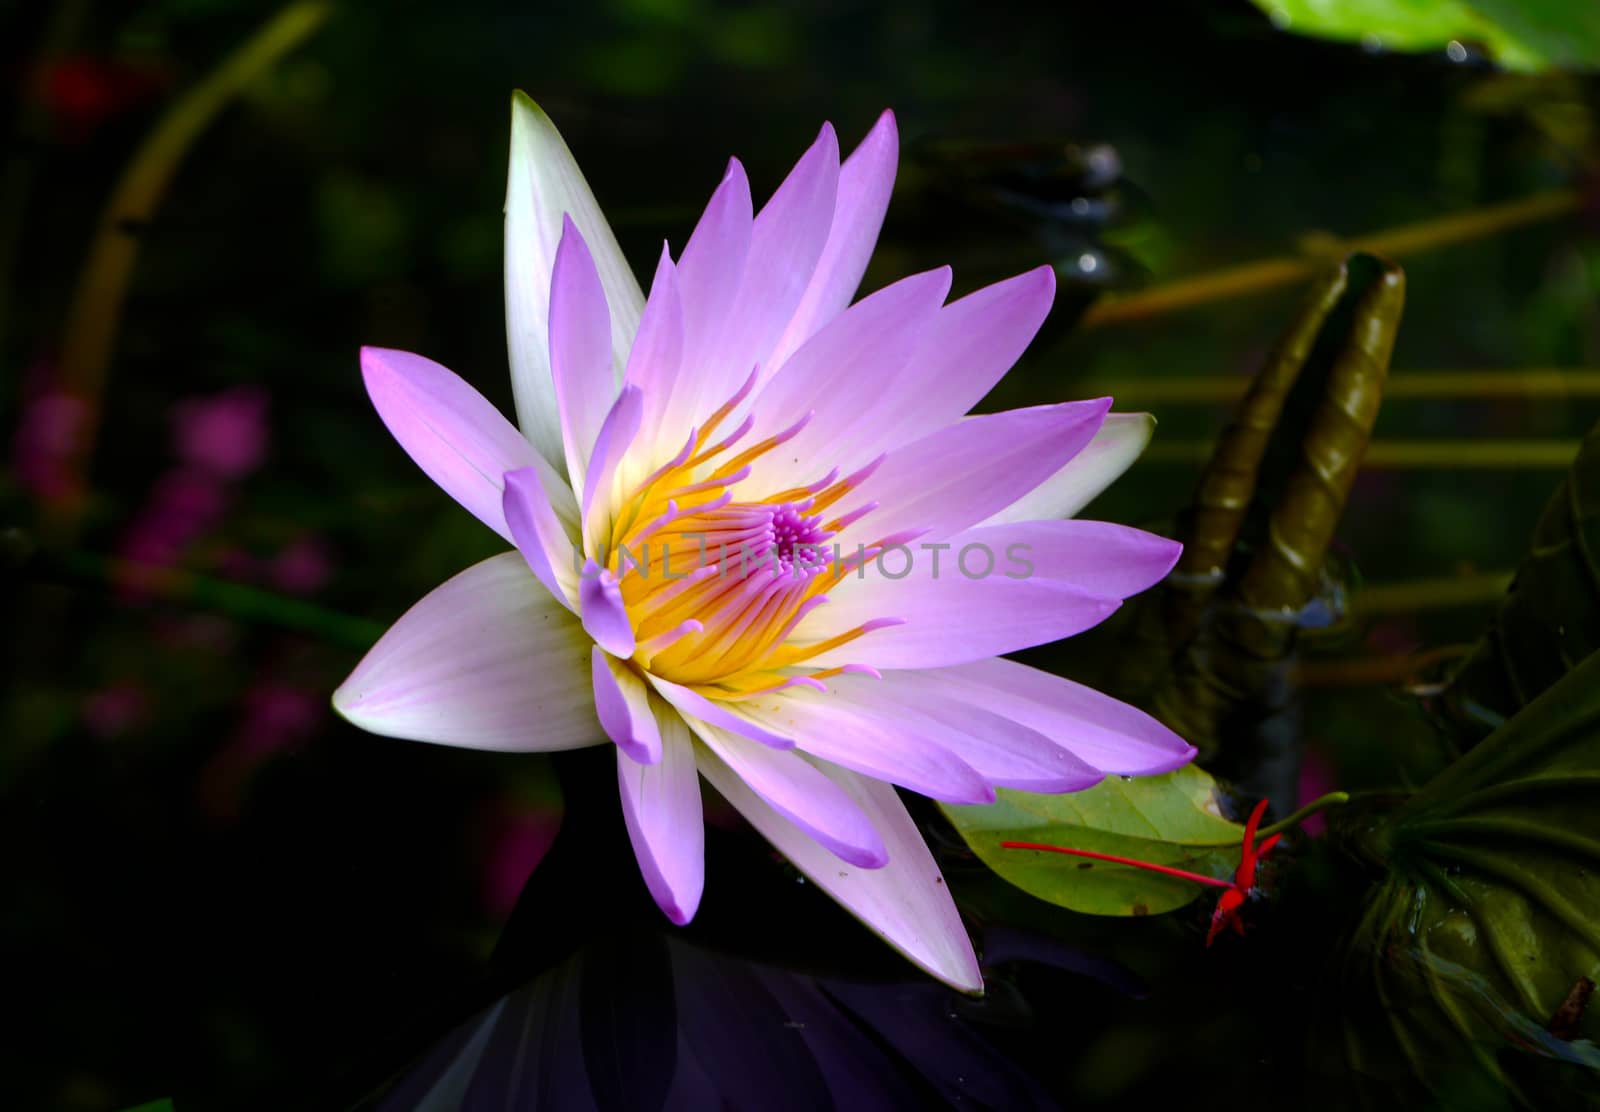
{"x":1221,"y":631}
{"x":1490,"y":915}
{"x":1550,"y":618}
{"x":1173,"y":820}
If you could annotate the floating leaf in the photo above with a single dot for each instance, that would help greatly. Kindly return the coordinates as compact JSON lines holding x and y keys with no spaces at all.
{"x":1491,"y":912}
{"x":1526,"y":35}
{"x":1550,"y":618}
{"x":1171,"y":820}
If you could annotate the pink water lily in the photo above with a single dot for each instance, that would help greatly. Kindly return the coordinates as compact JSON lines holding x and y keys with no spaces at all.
{"x":729,"y":502}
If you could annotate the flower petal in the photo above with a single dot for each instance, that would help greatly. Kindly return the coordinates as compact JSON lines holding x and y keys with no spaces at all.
{"x":1112,"y":451}
{"x":538,"y":534}
{"x":617,"y":432}
{"x":543,"y":183}
{"x":838,"y":377}
{"x":622,"y":702}
{"x":692,"y":705}
{"x":605,"y":617}
{"x":661,"y":807}
{"x":906,"y":902}
{"x":967,"y":471}
{"x":847,"y":726}
{"x":786,"y":240}
{"x":865,"y":182}
{"x":1108,"y":734}
{"x":709,"y":276}
{"x":654,"y":366}
{"x":487,"y":660}
{"x":1002,"y":751}
{"x":948,"y":619}
{"x":801,"y":793}
{"x":580,"y":349}
{"x":459,"y":440}
{"x":1098,"y":556}
{"x":965,"y":350}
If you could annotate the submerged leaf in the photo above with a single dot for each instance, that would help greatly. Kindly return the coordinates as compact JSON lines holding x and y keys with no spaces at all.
{"x":1491,"y":912}
{"x":1167,"y":820}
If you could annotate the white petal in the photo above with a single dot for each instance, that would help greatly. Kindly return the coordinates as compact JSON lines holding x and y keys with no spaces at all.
{"x":1103,"y":460}
{"x":906,"y":902}
{"x":487,"y":660}
{"x":543,"y":183}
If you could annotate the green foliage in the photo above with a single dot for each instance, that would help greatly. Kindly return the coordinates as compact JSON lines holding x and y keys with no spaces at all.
{"x":1170,"y":820}
{"x":1550,"y":619}
{"x":1490,"y":913}
{"x":1527,"y":35}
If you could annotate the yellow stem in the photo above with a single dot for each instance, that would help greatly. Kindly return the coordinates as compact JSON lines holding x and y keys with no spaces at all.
{"x":1577,"y":382}
{"x":96,"y":309}
{"x":1414,"y":454}
{"x":1266,"y":274}
{"x":1431,"y":594}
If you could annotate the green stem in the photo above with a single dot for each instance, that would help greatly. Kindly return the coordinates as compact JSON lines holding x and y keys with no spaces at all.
{"x":236,"y":600}
{"x":1321,"y":803}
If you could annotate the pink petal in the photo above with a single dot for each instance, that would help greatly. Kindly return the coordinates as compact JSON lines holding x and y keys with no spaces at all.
{"x":605,"y":617}
{"x":847,"y":726}
{"x":538,"y":534}
{"x":1105,"y":559}
{"x":838,"y":375}
{"x":1004,"y":752}
{"x":785,"y":243}
{"x":622,"y":703}
{"x":709,"y":276}
{"x":617,"y":432}
{"x":1108,"y":734}
{"x":906,"y":902}
{"x":458,"y":439}
{"x":580,"y":349}
{"x":1112,"y":451}
{"x":965,"y":351}
{"x":661,"y":807}
{"x":543,"y":184}
{"x":800,"y":793}
{"x":967,"y":471}
{"x":949,"y":619}
{"x":654,"y":366}
{"x":865,"y":182}
{"x":693,"y":705}
{"x":487,"y":660}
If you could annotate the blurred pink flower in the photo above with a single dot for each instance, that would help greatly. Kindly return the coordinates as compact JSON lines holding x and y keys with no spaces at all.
{"x":113,"y":711}
{"x":303,"y":566}
{"x":225,"y":434}
{"x":519,"y":837}
{"x":1318,"y":777}
{"x":46,"y":436}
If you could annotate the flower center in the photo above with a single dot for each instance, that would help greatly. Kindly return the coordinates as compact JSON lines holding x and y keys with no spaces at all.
{"x":714,"y":587}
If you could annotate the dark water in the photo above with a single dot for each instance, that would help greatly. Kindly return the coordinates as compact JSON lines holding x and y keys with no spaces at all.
{"x":219,"y":892}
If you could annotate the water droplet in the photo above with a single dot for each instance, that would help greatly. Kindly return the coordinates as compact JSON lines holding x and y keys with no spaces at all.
{"x":1372,"y":44}
{"x":1088,"y":262}
{"x":1455,"y":51}
{"x":1126,"y":779}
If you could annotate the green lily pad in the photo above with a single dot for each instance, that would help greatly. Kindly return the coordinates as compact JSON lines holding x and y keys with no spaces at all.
{"x":1172,"y":820}
{"x":1490,"y":915}
{"x":1525,"y":35}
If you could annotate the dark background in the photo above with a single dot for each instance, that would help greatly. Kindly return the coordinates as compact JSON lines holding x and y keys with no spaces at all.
{"x":217,"y":891}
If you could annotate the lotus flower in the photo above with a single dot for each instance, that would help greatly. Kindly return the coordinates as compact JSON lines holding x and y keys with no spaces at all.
{"x":714,"y":497}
